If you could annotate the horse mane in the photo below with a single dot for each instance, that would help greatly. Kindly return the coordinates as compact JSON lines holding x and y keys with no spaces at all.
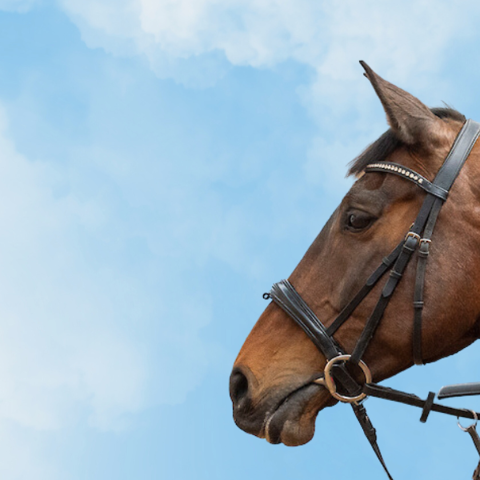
{"x":379,"y":150}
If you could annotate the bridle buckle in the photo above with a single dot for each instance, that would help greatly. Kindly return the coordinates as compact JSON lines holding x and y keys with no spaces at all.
{"x":414,"y":235}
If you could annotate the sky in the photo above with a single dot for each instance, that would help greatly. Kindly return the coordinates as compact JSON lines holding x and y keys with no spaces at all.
{"x":162,"y":163}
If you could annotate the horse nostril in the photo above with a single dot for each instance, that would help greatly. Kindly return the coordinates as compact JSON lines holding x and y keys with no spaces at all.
{"x":238,"y":386}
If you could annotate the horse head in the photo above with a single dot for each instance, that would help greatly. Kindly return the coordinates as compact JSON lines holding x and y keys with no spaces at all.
{"x":273,"y":383}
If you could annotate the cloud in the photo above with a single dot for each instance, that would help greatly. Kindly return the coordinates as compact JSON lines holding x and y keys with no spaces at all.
{"x":62,"y":356}
{"x":89,"y":322}
{"x":197,"y":42}
{"x":330,"y":37}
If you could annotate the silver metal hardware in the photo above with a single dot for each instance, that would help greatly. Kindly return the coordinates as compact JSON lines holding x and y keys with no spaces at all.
{"x":471,"y":430}
{"x":474,"y":424}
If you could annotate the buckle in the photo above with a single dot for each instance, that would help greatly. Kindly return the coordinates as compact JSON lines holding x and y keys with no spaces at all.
{"x":414,"y":235}
{"x":329,"y":382}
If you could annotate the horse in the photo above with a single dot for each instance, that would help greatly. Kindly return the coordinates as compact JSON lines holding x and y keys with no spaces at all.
{"x":274,"y":385}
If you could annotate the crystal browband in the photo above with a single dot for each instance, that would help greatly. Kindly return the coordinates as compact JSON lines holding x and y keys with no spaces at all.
{"x":405,"y":172}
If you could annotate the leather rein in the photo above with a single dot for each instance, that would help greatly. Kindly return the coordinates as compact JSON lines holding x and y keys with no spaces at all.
{"x":418,"y":238}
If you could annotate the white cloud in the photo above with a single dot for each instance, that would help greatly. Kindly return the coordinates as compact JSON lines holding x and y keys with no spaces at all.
{"x":88,"y":329}
{"x":399,"y":39}
{"x":196,"y":41}
{"x":61,"y":354}
{"x":82,"y":335}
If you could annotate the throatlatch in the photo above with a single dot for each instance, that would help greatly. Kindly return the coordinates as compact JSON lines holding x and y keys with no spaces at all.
{"x":418,"y":238}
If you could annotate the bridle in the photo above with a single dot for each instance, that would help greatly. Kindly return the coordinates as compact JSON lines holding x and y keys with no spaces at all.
{"x":418,"y":238}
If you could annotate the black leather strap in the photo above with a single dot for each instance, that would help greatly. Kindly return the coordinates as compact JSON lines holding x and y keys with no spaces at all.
{"x":347,"y":311}
{"x":427,"y":407}
{"x":379,"y":391}
{"x":284,"y":295}
{"x":423,"y":253}
{"x":459,"y":153}
{"x":370,"y":432}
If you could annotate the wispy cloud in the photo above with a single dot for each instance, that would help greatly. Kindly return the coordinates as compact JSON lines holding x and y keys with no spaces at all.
{"x":196,"y":42}
{"x":330,"y":37}
{"x":61,"y":354}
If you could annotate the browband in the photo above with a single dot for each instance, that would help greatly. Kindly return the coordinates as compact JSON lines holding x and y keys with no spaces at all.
{"x":408,"y":174}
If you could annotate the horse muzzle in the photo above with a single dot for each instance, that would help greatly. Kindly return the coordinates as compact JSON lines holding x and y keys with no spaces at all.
{"x":282,"y":414}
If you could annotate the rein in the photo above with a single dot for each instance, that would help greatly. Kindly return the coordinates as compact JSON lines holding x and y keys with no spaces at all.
{"x":418,"y":238}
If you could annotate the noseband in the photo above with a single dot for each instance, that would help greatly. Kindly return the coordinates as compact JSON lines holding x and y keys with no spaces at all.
{"x":418,"y":238}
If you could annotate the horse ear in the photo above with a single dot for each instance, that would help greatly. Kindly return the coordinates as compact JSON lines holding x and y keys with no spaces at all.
{"x":411,"y":120}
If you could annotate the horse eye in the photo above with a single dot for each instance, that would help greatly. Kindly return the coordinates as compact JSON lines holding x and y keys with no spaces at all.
{"x":357,"y":221}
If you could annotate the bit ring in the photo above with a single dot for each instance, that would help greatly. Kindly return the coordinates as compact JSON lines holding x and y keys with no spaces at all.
{"x":330,"y":382}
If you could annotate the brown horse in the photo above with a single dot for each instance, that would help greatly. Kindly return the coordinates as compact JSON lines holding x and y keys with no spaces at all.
{"x":272,"y":384}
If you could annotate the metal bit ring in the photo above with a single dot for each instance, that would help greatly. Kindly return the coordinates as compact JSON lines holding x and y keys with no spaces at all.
{"x":330,"y":382}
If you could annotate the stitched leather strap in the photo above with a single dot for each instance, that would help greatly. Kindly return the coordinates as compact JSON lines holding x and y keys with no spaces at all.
{"x":284,"y":294}
{"x":292,"y":303}
{"x":418,"y":303}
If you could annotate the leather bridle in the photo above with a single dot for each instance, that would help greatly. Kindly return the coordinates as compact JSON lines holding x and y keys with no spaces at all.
{"x":418,"y":238}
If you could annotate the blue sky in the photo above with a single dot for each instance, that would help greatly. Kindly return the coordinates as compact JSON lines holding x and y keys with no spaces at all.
{"x":162,"y":163}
